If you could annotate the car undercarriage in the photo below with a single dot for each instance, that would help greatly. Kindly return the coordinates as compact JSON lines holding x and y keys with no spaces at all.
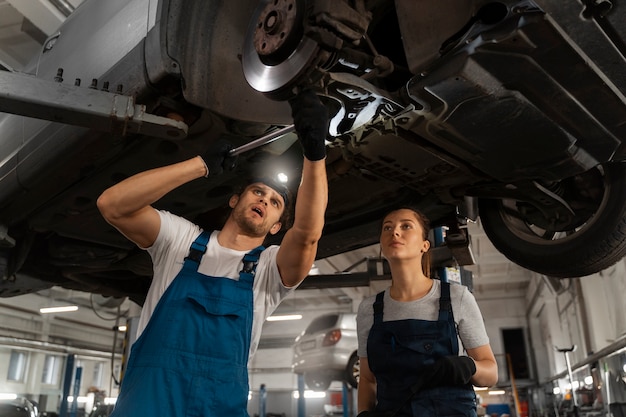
{"x":511,"y":111}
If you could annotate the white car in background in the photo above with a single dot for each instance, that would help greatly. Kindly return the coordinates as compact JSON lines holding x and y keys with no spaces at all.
{"x":18,"y":407}
{"x":326,"y":351}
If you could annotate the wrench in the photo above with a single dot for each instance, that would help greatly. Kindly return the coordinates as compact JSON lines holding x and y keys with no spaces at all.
{"x":263,"y":140}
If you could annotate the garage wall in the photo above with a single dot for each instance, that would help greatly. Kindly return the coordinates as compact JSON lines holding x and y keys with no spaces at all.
{"x":606,"y":307}
{"x":43,"y":343}
{"x":502,"y":314}
{"x":587,"y":312}
{"x":272,"y":367}
{"x":44,"y":384}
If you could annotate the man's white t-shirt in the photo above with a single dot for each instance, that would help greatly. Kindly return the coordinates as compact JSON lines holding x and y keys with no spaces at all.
{"x":172,"y":246}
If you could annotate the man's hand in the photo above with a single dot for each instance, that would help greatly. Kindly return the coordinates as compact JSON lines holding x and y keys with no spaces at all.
{"x":218,"y":159}
{"x":310,"y":119}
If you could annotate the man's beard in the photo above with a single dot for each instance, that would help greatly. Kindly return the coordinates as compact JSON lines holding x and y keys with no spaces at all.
{"x":249,"y":227}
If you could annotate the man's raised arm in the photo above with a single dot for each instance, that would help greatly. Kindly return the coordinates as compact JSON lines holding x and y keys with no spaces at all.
{"x":299,"y":246}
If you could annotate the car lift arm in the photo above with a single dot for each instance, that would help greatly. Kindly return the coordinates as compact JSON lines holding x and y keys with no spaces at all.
{"x":101,"y":110}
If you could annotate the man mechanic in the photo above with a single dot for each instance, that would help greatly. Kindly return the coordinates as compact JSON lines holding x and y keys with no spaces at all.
{"x":212,"y":291}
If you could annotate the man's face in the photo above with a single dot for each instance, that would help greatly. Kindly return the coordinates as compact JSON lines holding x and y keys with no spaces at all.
{"x":258,"y":209}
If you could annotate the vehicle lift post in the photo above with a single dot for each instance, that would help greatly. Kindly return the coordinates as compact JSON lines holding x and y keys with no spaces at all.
{"x":439,"y":238}
{"x":77,"y":378}
{"x":262,"y":400}
{"x":301,"y":403}
{"x":347,"y":400}
{"x":67,"y":382}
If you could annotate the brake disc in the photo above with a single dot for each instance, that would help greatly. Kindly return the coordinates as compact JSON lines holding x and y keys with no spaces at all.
{"x":276,"y":55}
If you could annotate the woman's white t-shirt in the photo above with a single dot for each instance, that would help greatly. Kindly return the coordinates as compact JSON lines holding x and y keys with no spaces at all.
{"x":469,"y":322}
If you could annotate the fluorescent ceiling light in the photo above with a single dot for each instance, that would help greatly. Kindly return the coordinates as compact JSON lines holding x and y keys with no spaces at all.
{"x":7,"y":396}
{"x":62,"y":309}
{"x":285,"y":317}
{"x":497,"y":392}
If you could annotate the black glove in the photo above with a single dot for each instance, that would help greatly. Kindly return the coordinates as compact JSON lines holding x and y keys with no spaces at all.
{"x":450,"y":370}
{"x":218,"y":159}
{"x":310,"y":119}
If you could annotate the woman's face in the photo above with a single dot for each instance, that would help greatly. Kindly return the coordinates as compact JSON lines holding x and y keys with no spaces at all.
{"x":402,"y":236}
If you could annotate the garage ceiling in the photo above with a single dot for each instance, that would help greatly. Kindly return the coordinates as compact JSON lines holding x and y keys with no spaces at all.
{"x":24,"y":26}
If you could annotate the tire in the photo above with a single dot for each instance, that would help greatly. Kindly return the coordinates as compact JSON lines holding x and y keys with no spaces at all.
{"x":353,"y":371}
{"x":317,"y":382}
{"x":592,"y":242}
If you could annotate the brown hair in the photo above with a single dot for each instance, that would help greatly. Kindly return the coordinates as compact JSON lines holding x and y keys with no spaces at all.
{"x":425,"y":223}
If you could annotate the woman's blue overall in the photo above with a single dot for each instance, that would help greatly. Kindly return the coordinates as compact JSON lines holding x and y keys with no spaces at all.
{"x":397,"y":351}
{"x":191,"y":360}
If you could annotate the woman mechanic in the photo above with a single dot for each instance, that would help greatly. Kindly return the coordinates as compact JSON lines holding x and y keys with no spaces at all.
{"x":422,"y":343}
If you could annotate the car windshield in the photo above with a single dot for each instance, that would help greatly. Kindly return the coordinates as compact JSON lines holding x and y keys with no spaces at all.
{"x":321,"y":323}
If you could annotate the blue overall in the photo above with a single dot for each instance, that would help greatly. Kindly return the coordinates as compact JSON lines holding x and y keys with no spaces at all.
{"x":191,"y":360}
{"x":398,"y":350}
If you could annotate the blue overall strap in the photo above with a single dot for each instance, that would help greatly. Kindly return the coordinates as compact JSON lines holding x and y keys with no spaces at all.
{"x":445,"y":303}
{"x":196,"y":251}
{"x":446,"y":315}
{"x":378,"y":307}
{"x":250,"y":261}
